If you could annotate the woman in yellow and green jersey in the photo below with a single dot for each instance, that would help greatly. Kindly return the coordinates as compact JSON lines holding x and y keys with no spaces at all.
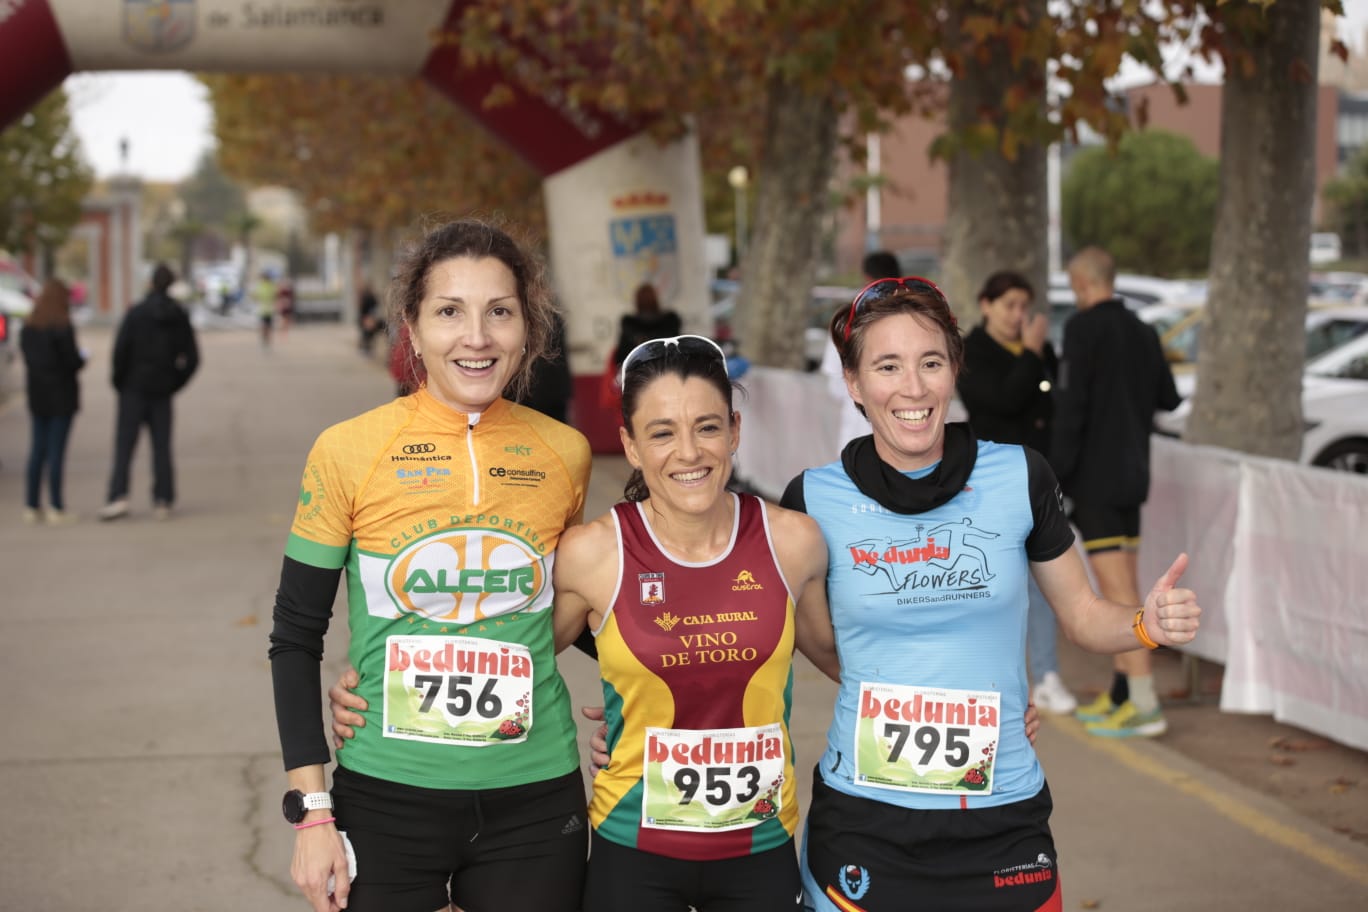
{"x":444,"y":509}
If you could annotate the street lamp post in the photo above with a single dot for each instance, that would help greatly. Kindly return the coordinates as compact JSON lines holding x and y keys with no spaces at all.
{"x":739,"y":178}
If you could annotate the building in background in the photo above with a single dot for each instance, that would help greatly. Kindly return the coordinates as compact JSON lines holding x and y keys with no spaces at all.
{"x":911,"y":192}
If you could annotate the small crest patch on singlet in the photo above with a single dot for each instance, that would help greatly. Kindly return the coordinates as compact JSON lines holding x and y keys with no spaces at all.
{"x":652,"y":588}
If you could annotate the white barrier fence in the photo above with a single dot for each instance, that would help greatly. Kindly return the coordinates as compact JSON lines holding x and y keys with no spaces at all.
{"x":1279,"y":554}
{"x":1280,"y":564}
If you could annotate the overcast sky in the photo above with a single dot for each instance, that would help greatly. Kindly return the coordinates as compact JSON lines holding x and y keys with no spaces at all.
{"x":167,"y":120}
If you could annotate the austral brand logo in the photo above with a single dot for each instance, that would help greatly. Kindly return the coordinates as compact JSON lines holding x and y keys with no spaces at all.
{"x":745,"y":582}
{"x":667,"y":621}
{"x":652,"y":588}
{"x":854,"y":881}
{"x":464,"y":575}
{"x":158,"y":25}
{"x":941,"y":558}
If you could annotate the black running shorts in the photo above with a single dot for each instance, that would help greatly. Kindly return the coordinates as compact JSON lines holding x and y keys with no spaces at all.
{"x":862,"y":855}
{"x":1106,"y":528}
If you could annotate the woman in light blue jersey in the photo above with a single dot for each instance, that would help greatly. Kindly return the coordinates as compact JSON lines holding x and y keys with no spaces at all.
{"x":924,"y":798}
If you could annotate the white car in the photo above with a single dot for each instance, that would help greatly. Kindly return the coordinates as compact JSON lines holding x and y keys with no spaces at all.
{"x":1334,"y":409}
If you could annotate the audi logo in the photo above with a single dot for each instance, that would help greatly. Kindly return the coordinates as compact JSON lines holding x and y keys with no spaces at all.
{"x":413,"y":448}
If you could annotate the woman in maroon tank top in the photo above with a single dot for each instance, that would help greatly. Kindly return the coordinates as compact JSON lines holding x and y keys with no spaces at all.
{"x":697,"y":598}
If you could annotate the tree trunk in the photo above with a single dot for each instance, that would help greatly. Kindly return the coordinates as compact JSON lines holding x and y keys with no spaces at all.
{"x":998,"y":217}
{"x":790,"y":199}
{"x":1248,"y":393}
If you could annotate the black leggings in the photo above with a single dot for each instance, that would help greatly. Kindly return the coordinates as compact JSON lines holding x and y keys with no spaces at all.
{"x":630,"y":880}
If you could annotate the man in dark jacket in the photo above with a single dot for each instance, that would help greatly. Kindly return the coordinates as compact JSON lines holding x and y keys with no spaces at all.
{"x":1112,"y":379}
{"x":155,"y":355}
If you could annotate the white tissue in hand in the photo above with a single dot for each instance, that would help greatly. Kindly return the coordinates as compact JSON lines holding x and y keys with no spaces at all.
{"x":351,"y":863}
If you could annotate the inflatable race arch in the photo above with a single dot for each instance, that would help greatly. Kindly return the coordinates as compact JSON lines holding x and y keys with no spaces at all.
{"x":621,"y":209}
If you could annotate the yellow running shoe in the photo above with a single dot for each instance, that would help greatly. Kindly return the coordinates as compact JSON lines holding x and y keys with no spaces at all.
{"x":1097,"y":710}
{"x":1129,"y":722}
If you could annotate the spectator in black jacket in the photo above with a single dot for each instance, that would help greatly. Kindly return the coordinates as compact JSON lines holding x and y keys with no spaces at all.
{"x":1112,"y":379}
{"x":648,"y":322}
{"x":51,"y":362}
{"x":551,"y":387}
{"x":1009,"y":370}
{"x":155,"y":355}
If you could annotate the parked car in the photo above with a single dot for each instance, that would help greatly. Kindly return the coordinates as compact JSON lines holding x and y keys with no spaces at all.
{"x":1325,"y":248}
{"x":1326,"y":329}
{"x":1146,"y":295}
{"x":1334,"y":409}
{"x":1336,"y":288}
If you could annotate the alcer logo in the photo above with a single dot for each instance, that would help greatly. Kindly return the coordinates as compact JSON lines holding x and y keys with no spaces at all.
{"x":464,"y":575}
{"x":415,"y":448}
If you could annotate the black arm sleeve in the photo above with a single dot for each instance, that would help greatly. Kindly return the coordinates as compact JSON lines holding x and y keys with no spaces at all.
{"x":585,"y":644}
{"x":303,"y":609}
{"x":1051,"y":536}
{"x":793,"y":498}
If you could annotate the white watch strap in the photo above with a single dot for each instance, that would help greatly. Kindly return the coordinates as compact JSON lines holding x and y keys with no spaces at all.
{"x":314,"y":801}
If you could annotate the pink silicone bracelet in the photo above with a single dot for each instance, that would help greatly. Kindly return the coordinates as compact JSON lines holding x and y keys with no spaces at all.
{"x":305,"y":826}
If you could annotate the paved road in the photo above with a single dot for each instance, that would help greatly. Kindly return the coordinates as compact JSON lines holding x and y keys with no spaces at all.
{"x":140,"y":758}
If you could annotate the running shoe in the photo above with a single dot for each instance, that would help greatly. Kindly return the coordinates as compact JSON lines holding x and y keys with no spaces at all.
{"x":115,"y":509}
{"x":1097,"y":710}
{"x":1129,"y":722}
{"x":1052,"y":696}
{"x":58,"y":517}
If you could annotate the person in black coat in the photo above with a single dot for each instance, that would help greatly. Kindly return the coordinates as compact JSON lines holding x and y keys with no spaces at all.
{"x":1009,"y":371}
{"x":51,"y":361}
{"x":1009,"y":366}
{"x":551,"y":387}
{"x":1112,"y":379}
{"x":155,"y":355}
{"x":647,"y":323}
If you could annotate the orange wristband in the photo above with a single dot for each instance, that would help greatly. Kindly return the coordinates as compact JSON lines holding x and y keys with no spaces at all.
{"x":1140,"y":633}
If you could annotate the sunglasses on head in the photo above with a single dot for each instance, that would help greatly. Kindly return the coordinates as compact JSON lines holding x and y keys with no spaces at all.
{"x":656,"y":348}
{"x":879,"y":289}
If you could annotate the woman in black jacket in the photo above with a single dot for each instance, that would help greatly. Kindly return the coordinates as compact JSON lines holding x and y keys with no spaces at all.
{"x":1009,"y":369}
{"x":51,"y":361}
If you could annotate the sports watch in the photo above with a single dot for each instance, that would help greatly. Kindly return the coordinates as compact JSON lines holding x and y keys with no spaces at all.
{"x":296,"y":804}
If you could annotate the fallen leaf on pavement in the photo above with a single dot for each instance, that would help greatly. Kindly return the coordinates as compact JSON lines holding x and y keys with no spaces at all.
{"x":1091,"y":904}
{"x":1280,"y":760}
{"x":1299,"y":744}
{"x":249,"y":620}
